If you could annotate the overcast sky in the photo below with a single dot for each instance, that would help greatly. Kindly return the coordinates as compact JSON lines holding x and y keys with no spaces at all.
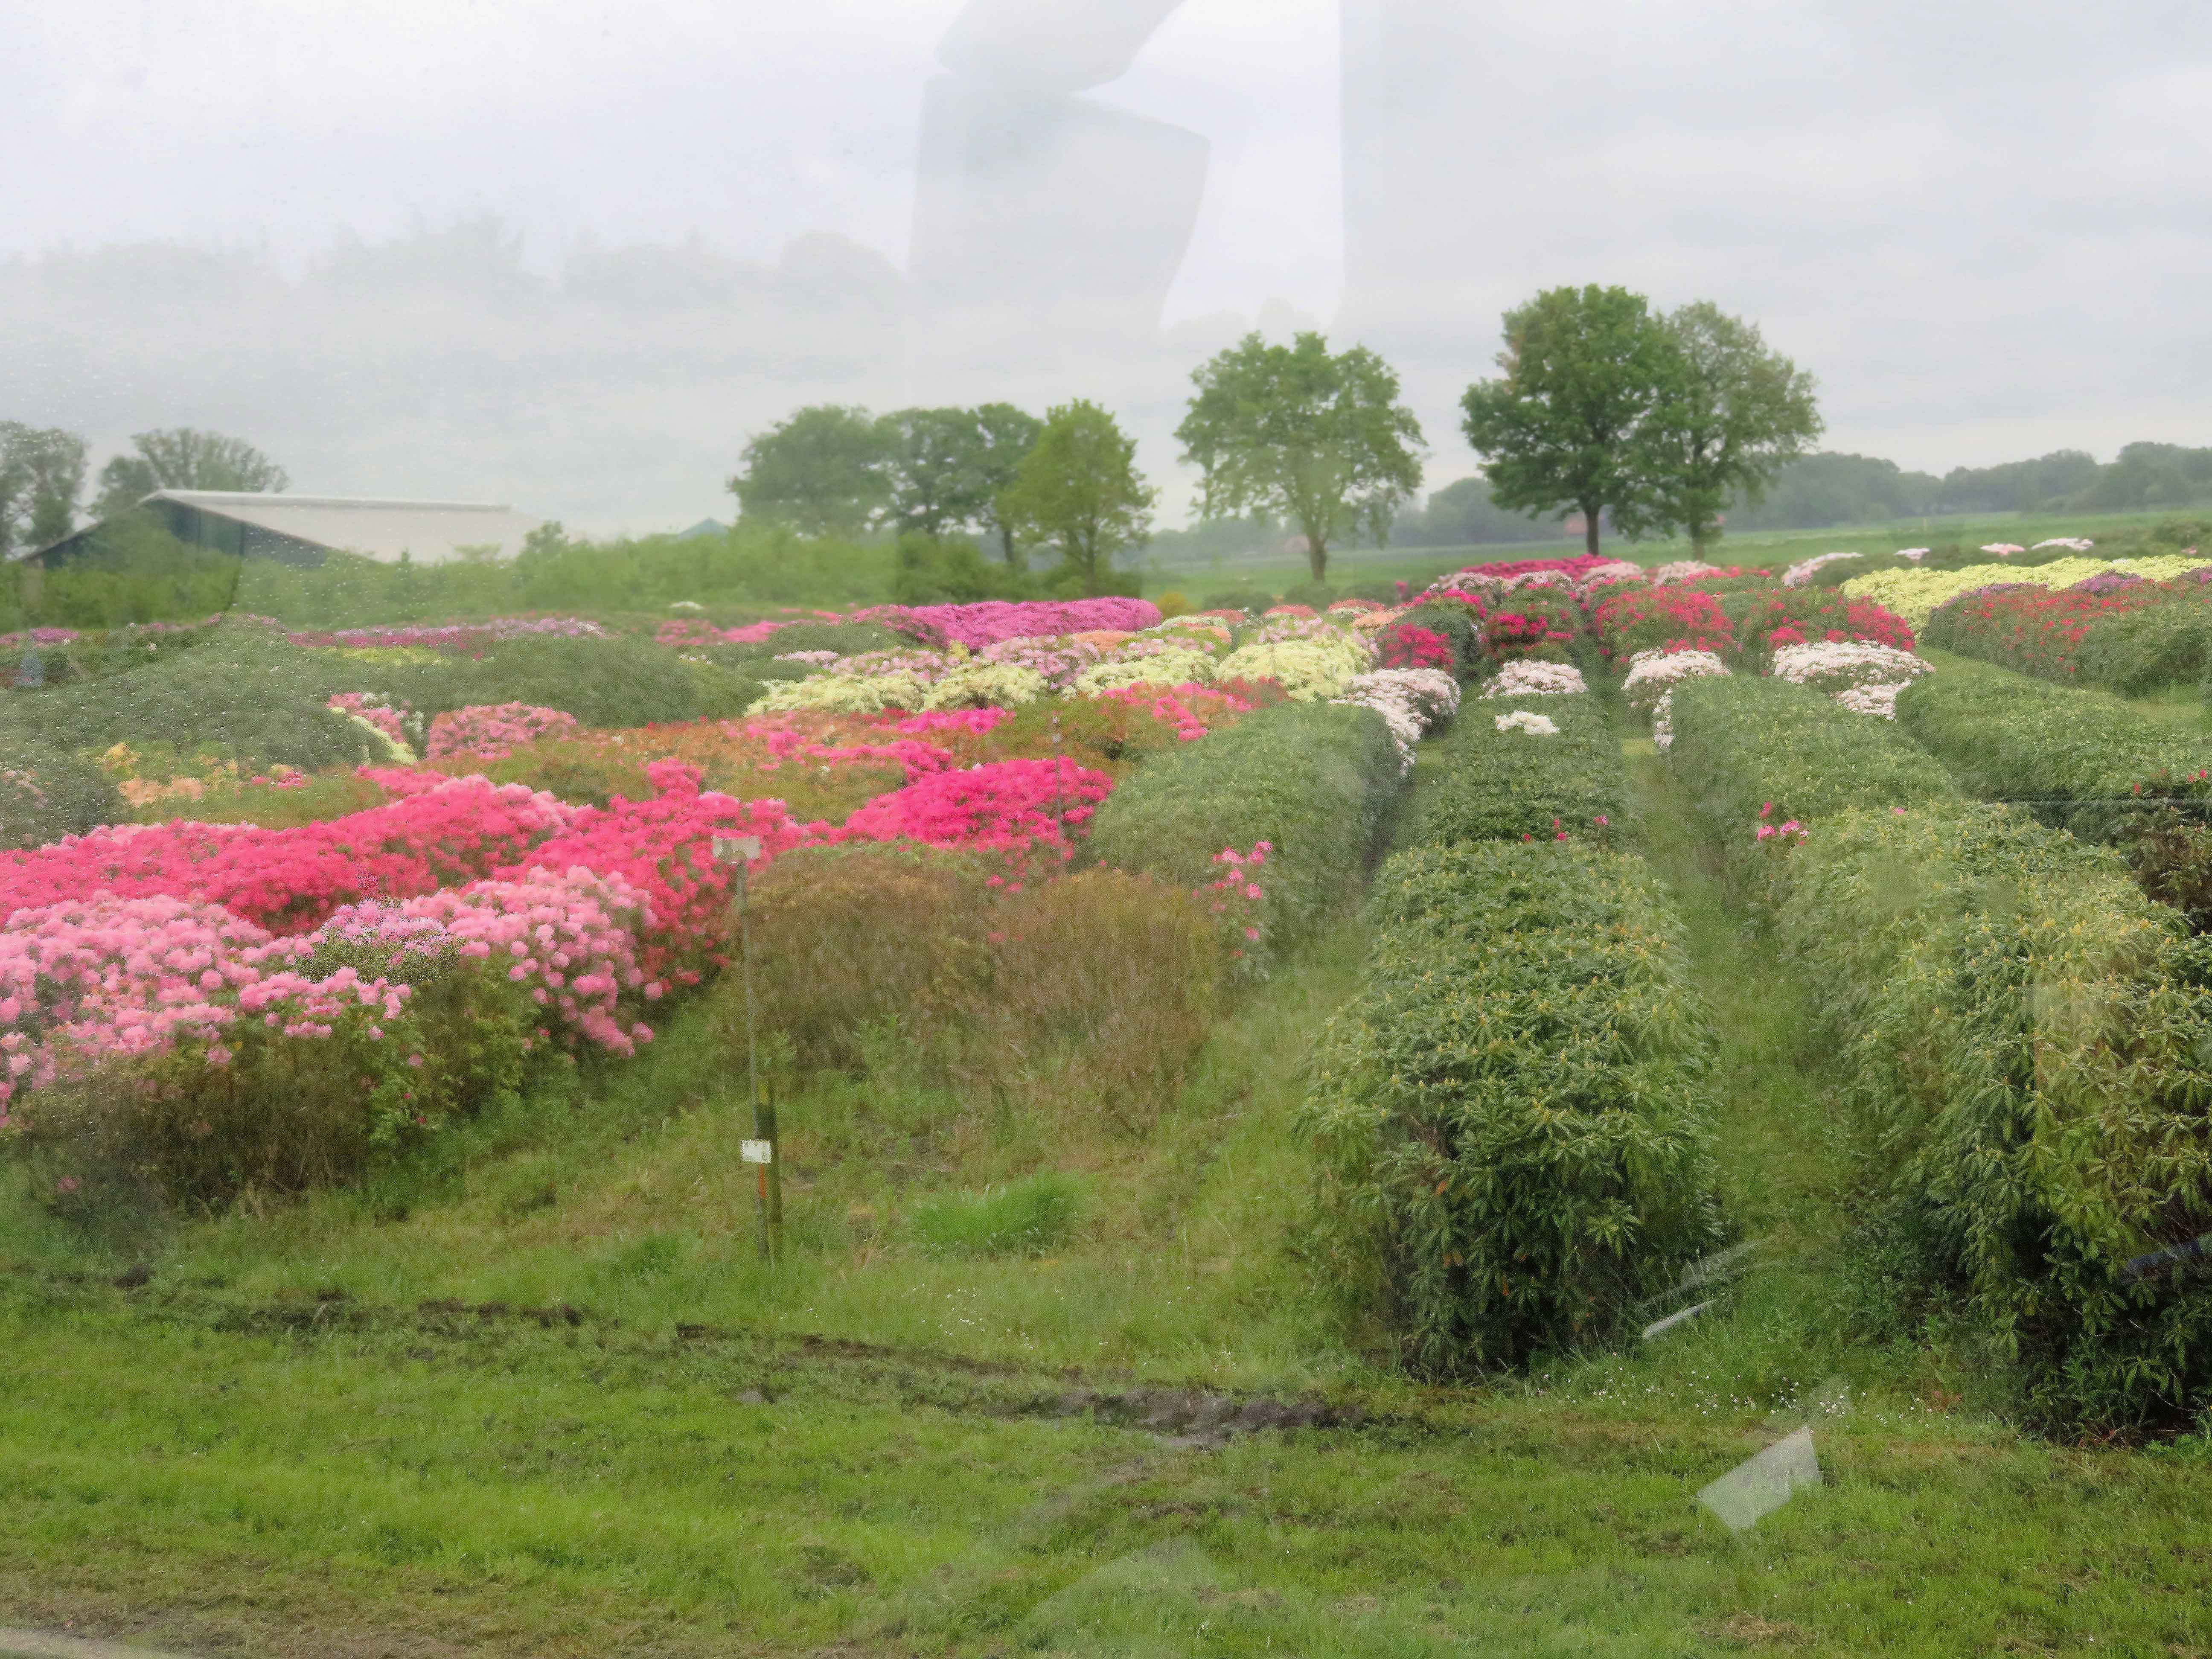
{"x":1986,"y":226}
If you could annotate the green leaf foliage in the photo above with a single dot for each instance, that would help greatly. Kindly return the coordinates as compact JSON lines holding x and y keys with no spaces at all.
{"x":1318,"y":781}
{"x":45,"y":793}
{"x":1584,"y":368}
{"x":2023,"y":1035}
{"x":1316,"y":439}
{"x":1513,"y":785}
{"x":1742,"y":743}
{"x":1513,"y":1118}
{"x":2013,"y":739}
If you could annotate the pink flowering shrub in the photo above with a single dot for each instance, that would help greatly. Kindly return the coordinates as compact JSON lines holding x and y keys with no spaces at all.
{"x":494,"y":731}
{"x":289,"y":880}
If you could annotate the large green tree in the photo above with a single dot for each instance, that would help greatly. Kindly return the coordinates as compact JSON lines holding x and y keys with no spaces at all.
{"x":1730,"y":415}
{"x":824,"y":471}
{"x":1295,"y":432}
{"x":1561,"y":428}
{"x":1079,"y":489}
{"x":947,"y":466}
{"x":184,"y":458}
{"x":41,"y":476}
{"x":1008,"y":434}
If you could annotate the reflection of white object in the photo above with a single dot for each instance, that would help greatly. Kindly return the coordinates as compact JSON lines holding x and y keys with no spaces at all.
{"x":1761,"y":1484}
{"x":1536,"y":726}
{"x":1660,"y":1326}
{"x":756,"y":1152}
{"x":733,"y":850}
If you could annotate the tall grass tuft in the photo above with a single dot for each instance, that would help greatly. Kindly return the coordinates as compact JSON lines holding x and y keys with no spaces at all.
{"x":1023,"y":1218}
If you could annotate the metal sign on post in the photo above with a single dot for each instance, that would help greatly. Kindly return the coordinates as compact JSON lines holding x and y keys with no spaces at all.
{"x":741,"y":851}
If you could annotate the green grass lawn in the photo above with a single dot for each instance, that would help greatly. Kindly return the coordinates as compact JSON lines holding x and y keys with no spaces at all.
{"x":539,"y":1397}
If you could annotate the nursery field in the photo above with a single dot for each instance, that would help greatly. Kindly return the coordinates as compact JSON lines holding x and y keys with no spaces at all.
{"x":1246,"y":1083}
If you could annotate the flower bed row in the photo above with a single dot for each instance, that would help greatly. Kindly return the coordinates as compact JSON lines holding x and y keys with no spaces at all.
{"x":1531,"y":765}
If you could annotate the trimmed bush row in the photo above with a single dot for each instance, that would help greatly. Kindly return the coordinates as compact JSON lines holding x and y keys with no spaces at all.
{"x":1316,"y":780}
{"x":2021,"y":1028}
{"x":1513,"y":1117}
{"x":2024,"y":1031}
{"x":1752,"y":751}
{"x":1507,"y":783}
{"x":2015,"y":740}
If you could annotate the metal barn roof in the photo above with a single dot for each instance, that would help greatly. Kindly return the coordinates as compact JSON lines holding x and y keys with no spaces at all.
{"x":429,"y":532}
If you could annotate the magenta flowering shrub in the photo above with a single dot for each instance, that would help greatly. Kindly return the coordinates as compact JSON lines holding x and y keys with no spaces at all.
{"x":990,"y":621}
{"x":494,"y":730}
{"x":1010,"y":805}
{"x":1239,"y":904}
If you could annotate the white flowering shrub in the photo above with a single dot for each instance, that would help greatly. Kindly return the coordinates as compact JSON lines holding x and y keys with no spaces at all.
{"x":1842,"y":664}
{"x":1873,"y":699}
{"x":1801,"y":572}
{"x":1413,"y":702}
{"x":1535,"y":724}
{"x":1653,"y":674}
{"x":1524,"y":677}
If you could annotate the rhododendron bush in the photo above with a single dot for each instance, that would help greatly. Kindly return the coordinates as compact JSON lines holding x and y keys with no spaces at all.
{"x":1627,"y":620}
{"x":493,"y":731}
{"x":1811,"y":615}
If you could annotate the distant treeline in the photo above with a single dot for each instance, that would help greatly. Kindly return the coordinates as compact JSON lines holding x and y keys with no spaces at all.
{"x":1827,"y":489}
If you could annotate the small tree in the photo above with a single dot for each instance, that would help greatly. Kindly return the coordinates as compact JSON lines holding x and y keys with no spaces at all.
{"x":1316,"y":440}
{"x":184,"y":458}
{"x":41,"y":476}
{"x":1079,"y":489}
{"x":1732,"y":413}
{"x":1584,"y":368}
{"x":947,"y":466}
{"x":824,"y":471}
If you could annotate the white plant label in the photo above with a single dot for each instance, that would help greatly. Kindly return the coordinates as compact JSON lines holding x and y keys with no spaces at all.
{"x":756,"y":1152}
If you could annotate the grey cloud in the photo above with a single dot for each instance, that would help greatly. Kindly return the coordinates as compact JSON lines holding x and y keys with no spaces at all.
{"x":1982,"y":225}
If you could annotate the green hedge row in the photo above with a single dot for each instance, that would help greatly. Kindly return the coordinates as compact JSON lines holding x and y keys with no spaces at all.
{"x":2012,"y":739}
{"x":249,"y":693}
{"x":1318,"y":781}
{"x":1513,"y":1118}
{"x":1513,"y":785}
{"x":2020,"y":1028}
{"x":1752,"y":751}
{"x":2024,"y":1034}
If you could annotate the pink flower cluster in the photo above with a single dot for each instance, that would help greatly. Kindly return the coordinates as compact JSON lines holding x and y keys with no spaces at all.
{"x":1782,"y":834}
{"x":1173,"y":705}
{"x":1239,"y":898}
{"x":1010,"y":805}
{"x":569,"y":941}
{"x":990,"y":621}
{"x":37,"y":636}
{"x":1057,"y":661}
{"x":368,"y":708}
{"x":289,"y":880}
{"x":494,"y":730}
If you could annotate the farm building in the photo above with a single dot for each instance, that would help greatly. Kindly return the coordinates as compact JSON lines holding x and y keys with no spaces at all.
{"x":304,"y":530}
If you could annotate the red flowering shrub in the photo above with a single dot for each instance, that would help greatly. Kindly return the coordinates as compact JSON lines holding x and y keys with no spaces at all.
{"x":1539,"y":624}
{"x":1408,"y":644}
{"x":1802,"y":615}
{"x":1632,"y":619}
